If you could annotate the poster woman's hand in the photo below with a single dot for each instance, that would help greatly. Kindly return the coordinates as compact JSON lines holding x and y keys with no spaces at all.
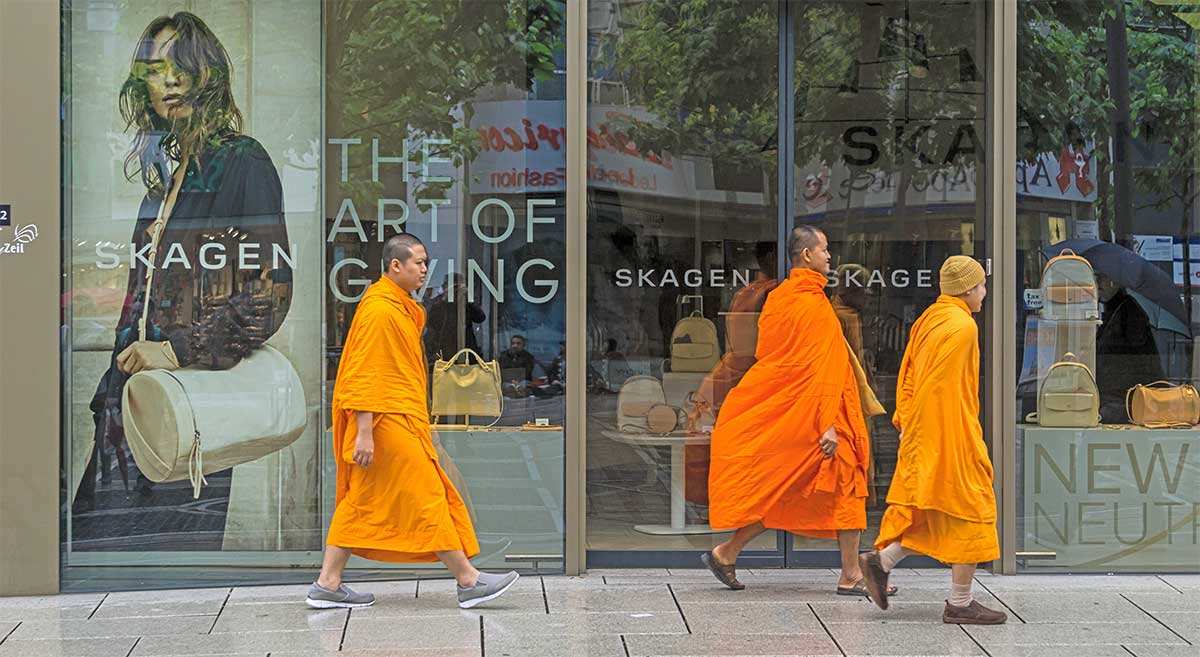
{"x":146,"y":355}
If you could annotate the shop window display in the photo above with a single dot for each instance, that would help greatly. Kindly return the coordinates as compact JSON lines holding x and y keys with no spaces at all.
{"x":1106,"y":201}
{"x":190,"y":278}
{"x":890,"y":162}
{"x":464,"y":146}
{"x":217,"y":250}
{"x":682,"y":230}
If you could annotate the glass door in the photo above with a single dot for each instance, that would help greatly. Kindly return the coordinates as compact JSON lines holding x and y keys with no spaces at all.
{"x":683,"y":222}
{"x":888,"y":155}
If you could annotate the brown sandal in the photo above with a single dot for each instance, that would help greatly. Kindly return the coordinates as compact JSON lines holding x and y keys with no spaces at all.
{"x":727,"y":575}
{"x":875,"y":578}
{"x":859,"y":588}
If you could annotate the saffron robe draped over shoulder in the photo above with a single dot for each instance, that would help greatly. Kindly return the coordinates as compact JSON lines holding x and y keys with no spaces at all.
{"x":941,"y":501}
{"x":403,"y":507}
{"x":767,"y":463}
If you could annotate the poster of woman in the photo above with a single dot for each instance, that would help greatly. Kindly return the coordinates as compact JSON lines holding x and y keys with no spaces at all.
{"x":203,"y":374}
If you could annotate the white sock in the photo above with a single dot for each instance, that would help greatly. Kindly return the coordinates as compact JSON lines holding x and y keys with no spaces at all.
{"x":891,"y":555}
{"x":960,"y":595}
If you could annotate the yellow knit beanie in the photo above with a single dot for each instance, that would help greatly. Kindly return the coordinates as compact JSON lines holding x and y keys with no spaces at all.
{"x":960,"y":274}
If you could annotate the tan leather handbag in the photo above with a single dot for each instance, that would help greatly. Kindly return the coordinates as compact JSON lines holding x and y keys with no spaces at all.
{"x":467,"y":388}
{"x":1160,"y":405}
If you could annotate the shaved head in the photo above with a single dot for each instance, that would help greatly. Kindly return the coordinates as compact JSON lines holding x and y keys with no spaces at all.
{"x":399,"y":247}
{"x":803,"y":237}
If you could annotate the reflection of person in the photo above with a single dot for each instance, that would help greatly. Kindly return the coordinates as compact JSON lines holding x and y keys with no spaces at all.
{"x":741,"y":340}
{"x":741,"y":330}
{"x":441,"y":336}
{"x":789,"y":450}
{"x":394,"y":501}
{"x":941,"y":502}
{"x":557,"y":371}
{"x":208,"y":307}
{"x":517,"y":358}
{"x":849,"y":300}
{"x":1126,"y":351}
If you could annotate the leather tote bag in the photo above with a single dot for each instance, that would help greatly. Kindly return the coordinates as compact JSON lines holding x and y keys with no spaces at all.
{"x":467,"y":388}
{"x":1161,"y":405}
{"x":186,"y":423}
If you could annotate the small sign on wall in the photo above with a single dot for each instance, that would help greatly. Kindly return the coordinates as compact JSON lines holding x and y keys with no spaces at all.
{"x":5,"y":214}
{"x":1033,"y":298}
{"x":1154,"y":248}
{"x":1087,"y":229}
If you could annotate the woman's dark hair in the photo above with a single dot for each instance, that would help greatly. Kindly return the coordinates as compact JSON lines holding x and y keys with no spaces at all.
{"x":197,"y":53}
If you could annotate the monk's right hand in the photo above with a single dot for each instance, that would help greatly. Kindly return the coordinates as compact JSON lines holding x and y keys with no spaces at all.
{"x":829,"y":442}
{"x":364,"y":448}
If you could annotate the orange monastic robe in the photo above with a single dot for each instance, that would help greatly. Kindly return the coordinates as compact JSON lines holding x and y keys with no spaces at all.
{"x":767,"y":463}
{"x":402,"y":508}
{"x":941,"y":501}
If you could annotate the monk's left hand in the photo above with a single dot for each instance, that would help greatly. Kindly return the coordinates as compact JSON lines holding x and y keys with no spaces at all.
{"x":829,"y":442}
{"x":364,"y":448}
{"x":146,"y":355}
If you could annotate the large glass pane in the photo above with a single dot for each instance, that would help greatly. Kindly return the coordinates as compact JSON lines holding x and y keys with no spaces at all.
{"x":446,"y":119}
{"x":682,"y":224}
{"x":890,"y":163}
{"x":192,"y":333}
{"x":1107,"y":169}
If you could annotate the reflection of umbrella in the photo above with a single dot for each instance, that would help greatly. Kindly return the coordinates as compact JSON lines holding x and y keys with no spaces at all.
{"x":1159,"y":317}
{"x":1155,"y":289}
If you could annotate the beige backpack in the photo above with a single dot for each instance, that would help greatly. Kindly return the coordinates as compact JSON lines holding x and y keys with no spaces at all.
{"x":1069,"y":288}
{"x":694,"y":346}
{"x":1068,"y":397}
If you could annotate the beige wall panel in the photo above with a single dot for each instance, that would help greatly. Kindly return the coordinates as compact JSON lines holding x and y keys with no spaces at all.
{"x":29,"y":298}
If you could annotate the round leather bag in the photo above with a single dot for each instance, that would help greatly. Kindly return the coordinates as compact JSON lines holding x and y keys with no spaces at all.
{"x":662,"y":419}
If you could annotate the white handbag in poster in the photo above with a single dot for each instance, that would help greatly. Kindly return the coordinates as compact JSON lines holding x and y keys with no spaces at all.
{"x":191,"y":422}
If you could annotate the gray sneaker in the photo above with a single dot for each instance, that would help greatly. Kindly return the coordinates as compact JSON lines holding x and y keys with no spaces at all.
{"x":487,"y":587}
{"x":320,"y":597}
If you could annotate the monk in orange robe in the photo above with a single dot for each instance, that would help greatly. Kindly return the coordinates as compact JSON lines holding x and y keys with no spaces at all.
{"x":394,"y":502}
{"x":941,"y":501}
{"x":789,"y":450}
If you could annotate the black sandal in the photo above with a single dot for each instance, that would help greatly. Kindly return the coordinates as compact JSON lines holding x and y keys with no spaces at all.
{"x":727,"y":575}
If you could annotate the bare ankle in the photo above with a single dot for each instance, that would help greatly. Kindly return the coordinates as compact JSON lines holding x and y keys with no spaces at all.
{"x":721,"y":552}
{"x":329,"y":584}
{"x":467,"y":580}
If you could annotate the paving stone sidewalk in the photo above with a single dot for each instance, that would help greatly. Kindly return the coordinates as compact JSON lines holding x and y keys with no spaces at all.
{"x":624,"y":613}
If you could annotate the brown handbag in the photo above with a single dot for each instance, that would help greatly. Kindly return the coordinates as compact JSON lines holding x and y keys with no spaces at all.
{"x":1161,"y":405}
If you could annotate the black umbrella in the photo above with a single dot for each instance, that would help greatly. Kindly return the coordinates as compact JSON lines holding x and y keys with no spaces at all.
{"x":1130,"y":271}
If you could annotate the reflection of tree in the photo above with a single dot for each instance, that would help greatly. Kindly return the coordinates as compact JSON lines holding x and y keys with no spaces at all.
{"x":1073,"y":56}
{"x":1114,"y":71}
{"x":397,"y":69}
{"x":708,"y":71}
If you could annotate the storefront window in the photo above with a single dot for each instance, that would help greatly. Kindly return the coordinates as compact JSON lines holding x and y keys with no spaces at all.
{"x":447,"y":120}
{"x":682,"y":231}
{"x":230,"y":175}
{"x":1107,"y":171}
{"x":197,"y":315}
{"x":891,"y":164}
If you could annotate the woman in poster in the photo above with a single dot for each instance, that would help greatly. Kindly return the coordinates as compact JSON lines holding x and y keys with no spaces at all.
{"x":211,"y":249}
